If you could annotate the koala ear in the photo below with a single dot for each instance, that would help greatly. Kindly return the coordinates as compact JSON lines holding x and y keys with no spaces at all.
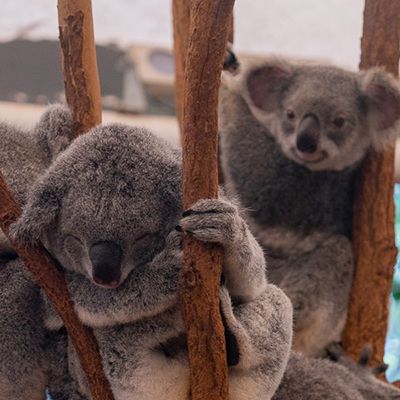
{"x":54,"y":131}
{"x":265,"y":83}
{"x":41,"y":209}
{"x":382,"y":93}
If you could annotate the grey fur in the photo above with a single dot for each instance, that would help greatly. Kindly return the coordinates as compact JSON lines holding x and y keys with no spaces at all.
{"x":23,"y":364}
{"x":24,"y":155}
{"x":300,"y":208}
{"x":25,"y":361}
{"x":316,"y":379}
{"x":118,"y":184}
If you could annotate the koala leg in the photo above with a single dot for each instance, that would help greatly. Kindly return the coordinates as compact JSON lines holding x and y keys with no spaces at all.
{"x":23,"y":365}
{"x":258,"y":348}
{"x":219,"y":221}
{"x":61,"y":385}
{"x":318,"y":283}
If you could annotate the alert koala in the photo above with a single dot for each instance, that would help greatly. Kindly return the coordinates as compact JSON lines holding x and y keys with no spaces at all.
{"x":107,"y":210}
{"x":24,"y":361}
{"x":24,"y":155}
{"x":315,"y":379}
{"x":292,"y":139}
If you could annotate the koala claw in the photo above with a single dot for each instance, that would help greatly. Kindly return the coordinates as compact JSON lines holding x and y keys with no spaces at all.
{"x":212,"y":220}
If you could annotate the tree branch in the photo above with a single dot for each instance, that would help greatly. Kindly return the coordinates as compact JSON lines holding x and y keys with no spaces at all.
{"x":373,"y":219}
{"x":200,"y":280}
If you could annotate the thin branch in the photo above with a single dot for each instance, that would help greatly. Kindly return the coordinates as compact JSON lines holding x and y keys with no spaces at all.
{"x":209,"y":21}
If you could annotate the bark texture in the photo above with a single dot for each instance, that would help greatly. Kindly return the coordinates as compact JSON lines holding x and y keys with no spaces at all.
{"x":79,"y":64}
{"x":48,"y":276}
{"x":181,"y":23}
{"x":199,"y":56}
{"x":373,"y":218}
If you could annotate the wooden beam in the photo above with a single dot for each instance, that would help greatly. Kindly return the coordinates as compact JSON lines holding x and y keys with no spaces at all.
{"x":200,"y":280}
{"x":181,"y":23}
{"x":79,"y":64}
{"x":373,"y":217}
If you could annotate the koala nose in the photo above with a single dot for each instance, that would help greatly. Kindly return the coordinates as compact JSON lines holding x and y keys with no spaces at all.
{"x":309,"y":132}
{"x":106,"y":263}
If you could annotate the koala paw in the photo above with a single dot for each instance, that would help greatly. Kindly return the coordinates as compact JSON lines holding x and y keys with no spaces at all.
{"x":173,"y":243}
{"x":213,"y":220}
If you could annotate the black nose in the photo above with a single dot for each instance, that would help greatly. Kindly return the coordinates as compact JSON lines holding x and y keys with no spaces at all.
{"x":307,"y":143}
{"x":106,"y":263}
{"x":309,"y":132}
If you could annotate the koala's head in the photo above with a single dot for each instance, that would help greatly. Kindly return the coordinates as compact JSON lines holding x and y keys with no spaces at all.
{"x":323,"y":117}
{"x":106,"y":204}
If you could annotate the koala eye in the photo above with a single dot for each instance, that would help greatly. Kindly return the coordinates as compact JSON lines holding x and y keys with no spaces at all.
{"x":339,"y":122}
{"x":290,"y":115}
{"x":72,"y":244}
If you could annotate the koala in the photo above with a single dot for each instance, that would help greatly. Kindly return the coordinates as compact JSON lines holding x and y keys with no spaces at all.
{"x":109,"y":210}
{"x":314,"y":379}
{"x":22,"y":335}
{"x":24,"y":155}
{"x":24,"y":342}
{"x":292,"y":139}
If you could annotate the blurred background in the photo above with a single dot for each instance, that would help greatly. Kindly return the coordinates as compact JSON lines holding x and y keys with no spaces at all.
{"x":134,"y":42}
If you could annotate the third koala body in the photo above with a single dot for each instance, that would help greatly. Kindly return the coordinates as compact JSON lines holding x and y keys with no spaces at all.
{"x":24,"y":362}
{"x":107,"y":210}
{"x":292,"y":139}
{"x":25,"y":154}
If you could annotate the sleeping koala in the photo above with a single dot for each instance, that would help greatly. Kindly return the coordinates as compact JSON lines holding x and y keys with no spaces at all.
{"x":107,"y":210}
{"x":24,"y":361}
{"x":24,"y":155}
{"x":292,"y":139}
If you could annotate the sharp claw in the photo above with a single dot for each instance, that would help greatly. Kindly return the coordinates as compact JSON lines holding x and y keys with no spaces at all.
{"x":178,"y":228}
{"x":380,"y":369}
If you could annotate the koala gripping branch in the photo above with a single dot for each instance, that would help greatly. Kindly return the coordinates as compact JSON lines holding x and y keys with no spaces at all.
{"x":46,"y":273}
{"x":201,"y":61}
{"x":373,"y":221}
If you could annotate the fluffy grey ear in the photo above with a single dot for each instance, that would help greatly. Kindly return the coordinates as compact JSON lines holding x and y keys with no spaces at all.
{"x":265,"y":84}
{"x":382,"y":94}
{"x":41,"y":209}
{"x":54,"y":131}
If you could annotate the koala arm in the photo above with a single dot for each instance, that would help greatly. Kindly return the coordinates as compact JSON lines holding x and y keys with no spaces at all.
{"x":318,"y":283}
{"x":259,"y":337}
{"x":219,"y":221}
{"x":148,"y":291}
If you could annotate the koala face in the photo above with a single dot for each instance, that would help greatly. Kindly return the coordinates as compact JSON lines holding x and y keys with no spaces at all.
{"x":323,"y":117}
{"x":106,"y":204}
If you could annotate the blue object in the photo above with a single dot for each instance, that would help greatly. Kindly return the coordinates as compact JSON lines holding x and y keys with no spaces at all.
{"x":392,"y":347}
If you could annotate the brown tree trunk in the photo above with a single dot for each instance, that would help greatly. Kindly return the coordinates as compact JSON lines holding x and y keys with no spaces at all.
{"x":200,"y":280}
{"x":79,"y":64}
{"x":181,"y":22}
{"x":373,"y":220}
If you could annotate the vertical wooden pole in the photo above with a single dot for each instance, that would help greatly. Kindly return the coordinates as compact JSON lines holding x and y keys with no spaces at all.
{"x":181,"y":22}
{"x":82,"y":91}
{"x":373,"y":220}
{"x":79,"y":64}
{"x":200,"y":280}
